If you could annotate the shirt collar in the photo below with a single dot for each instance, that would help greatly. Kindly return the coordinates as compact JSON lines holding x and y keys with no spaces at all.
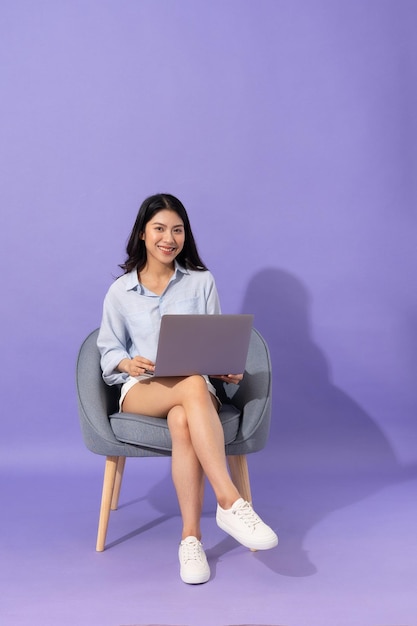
{"x":180,"y":268}
{"x":132,"y":281}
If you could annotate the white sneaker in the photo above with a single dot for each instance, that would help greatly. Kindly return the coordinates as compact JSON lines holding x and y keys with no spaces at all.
{"x":244,"y":525}
{"x":194,"y":568}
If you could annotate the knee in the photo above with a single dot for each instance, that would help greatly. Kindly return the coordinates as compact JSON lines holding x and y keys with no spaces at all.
{"x":178,"y":424}
{"x":196,"y":386}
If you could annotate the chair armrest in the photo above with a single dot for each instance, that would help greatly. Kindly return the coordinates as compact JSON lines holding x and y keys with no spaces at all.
{"x":253,"y":398}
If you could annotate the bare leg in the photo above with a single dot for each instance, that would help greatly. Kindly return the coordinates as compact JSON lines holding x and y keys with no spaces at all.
{"x":158,"y":396}
{"x":187,"y":473}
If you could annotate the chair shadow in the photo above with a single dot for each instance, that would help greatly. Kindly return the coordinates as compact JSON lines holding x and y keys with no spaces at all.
{"x":324,"y":451}
{"x":138,"y":531}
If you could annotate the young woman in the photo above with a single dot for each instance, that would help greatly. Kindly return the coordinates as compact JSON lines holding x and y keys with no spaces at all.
{"x":164,"y":274}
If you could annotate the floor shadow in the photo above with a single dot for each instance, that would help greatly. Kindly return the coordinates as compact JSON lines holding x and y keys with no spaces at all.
{"x":325,"y":452}
{"x":139,"y":531}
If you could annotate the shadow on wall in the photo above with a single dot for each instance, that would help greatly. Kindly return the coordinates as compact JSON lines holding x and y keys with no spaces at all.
{"x":325,"y":452}
{"x":314,"y":422}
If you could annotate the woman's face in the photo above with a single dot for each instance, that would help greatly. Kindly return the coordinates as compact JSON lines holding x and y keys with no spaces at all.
{"x":164,"y":236}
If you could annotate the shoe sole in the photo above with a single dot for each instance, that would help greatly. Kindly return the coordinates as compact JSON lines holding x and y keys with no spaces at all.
{"x":195,"y":580}
{"x":266,"y":544}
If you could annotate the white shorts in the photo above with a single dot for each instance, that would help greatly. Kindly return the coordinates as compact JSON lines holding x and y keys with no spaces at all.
{"x":132,"y":380}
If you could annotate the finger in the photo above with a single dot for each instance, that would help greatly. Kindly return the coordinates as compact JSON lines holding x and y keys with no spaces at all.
{"x":139,"y":368}
{"x":235,"y":378}
{"x":149,"y":366}
{"x":142,"y":362}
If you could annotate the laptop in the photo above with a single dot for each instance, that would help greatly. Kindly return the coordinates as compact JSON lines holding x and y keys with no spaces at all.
{"x":203,"y":344}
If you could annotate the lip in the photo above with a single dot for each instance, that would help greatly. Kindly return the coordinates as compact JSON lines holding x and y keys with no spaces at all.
{"x":167,"y":249}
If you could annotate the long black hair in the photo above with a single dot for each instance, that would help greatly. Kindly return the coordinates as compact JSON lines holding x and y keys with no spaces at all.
{"x":189,"y":257}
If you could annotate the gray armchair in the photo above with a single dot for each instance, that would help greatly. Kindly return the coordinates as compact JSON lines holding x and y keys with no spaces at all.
{"x":245,"y":416}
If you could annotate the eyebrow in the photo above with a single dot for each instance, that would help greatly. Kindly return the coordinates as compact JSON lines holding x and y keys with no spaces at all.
{"x":162,"y":224}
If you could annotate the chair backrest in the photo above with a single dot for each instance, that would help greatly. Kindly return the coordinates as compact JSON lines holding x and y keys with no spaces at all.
{"x":96,"y":401}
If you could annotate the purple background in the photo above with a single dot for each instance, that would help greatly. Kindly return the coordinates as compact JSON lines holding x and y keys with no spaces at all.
{"x":288,"y":129}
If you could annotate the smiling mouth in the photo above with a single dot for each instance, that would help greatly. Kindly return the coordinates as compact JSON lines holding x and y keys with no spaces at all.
{"x":166,"y":249}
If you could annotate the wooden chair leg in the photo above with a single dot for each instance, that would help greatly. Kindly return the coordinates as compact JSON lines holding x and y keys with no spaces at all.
{"x":238,"y":466}
{"x":106,"y":498}
{"x":118,"y":482}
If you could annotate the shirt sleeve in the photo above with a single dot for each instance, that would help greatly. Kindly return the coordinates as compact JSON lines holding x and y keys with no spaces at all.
{"x":112,"y":341}
{"x":212,"y":296}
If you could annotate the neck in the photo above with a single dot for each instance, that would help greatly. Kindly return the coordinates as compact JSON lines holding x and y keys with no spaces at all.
{"x":156,"y":278}
{"x":157,"y":270}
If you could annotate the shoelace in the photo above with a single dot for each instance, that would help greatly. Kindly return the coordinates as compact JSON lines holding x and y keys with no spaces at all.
{"x":191,"y":551}
{"x":246,"y":513}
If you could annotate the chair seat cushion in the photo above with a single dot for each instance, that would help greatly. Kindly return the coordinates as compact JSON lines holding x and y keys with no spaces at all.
{"x":153,"y":432}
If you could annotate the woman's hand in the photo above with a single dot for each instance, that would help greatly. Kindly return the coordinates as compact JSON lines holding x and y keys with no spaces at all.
{"x":230,"y":378}
{"x":136,"y":366}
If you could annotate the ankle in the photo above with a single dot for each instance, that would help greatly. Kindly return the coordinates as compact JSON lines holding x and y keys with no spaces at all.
{"x":191,"y":533}
{"x":227,"y":503}
{"x":227,"y":498}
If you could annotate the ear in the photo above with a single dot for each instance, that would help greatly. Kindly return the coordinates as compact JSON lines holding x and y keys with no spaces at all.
{"x":142,"y":235}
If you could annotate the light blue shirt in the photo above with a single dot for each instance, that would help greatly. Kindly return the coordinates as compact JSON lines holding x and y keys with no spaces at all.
{"x":132,"y":315}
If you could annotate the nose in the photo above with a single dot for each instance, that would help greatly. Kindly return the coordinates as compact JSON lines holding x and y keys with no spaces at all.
{"x":168,"y":238}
